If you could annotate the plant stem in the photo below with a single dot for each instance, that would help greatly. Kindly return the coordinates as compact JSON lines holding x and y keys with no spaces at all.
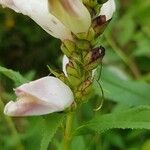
{"x":68,"y":131}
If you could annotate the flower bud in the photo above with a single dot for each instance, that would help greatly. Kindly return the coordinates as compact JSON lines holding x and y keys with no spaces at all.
{"x":84,"y":90}
{"x":99,"y":24}
{"x":108,"y":9}
{"x":58,"y":74}
{"x":68,"y":47}
{"x":102,"y":20}
{"x":43,"y":96}
{"x":94,"y":57}
{"x":71,"y":70}
{"x":83,"y":44}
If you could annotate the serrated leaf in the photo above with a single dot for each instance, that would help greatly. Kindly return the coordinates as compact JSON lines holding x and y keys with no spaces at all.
{"x":135,"y":118}
{"x":13,"y":75}
{"x":123,"y":91}
{"x":51,"y":124}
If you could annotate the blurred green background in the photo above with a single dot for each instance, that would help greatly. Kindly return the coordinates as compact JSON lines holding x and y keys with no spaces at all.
{"x":26,"y":48}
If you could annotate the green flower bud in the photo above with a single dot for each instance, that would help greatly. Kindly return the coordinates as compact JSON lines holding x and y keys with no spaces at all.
{"x":83,"y":44}
{"x":84,"y":90}
{"x":81,"y":36}
{"x":71,"y":70}
{"x":65,"y":50}
{"x":73,"y":74}
{"x":90,"y":3}
{"x":61,"y":76}
{"x":92,"y":6}
{"x":89,"y":36}
{"x":68,"y":47}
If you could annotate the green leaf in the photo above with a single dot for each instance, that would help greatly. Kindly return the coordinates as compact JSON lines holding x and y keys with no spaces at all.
{"x":127,"y":92}
{"x":51,"y":124}
{"x":127,"y":27}
{"x":135,"y":118}
{"x":13,"y":75}
{"x":142,"y":48}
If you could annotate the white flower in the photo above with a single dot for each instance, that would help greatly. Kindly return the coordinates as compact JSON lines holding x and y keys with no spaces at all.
{"x":72,"y":13}
{"x":39,"y":12}
{"x":59,"y":17}
{"x":65,"y":61}
{"x":108,"y":9}
{"x":43,"y":96}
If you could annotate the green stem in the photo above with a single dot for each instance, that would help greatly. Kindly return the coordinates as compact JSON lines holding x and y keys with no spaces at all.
{"x":68,"y":131}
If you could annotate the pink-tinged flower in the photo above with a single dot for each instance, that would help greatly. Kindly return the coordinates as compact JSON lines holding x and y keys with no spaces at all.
{"x":72,"y":13}
{"x":39,"y":12}
{"x":108,"y":9}
{"x":43,"y":96}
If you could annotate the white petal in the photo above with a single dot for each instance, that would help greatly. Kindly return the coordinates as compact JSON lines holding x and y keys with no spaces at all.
{"x":39,"y":97}
{"x":72,"y":13}
{"x":29,"y":106}
{"x":108,"y":9}
{"x":38,"y":11}
{"x":49,"y":89}
{"x":64,"y":63}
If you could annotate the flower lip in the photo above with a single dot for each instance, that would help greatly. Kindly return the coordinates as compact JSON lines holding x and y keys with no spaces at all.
{"x":39,"y":97}
{"x":24,"y":107}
